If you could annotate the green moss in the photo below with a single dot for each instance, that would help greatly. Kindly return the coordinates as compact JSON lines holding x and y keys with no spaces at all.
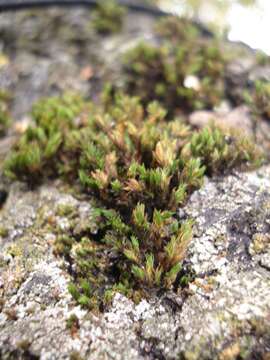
{"x":37,"y":153}
{"x":5,"y":118}
{"x":73,"y":322}
{"x":140,"y":168}
{"x":258,"y":98}
{"x":184,"y":72}
{"x":63,"y":244}
{"x":108,"y":17}
{"x":72,"y":288}
{"x":221,"y":150}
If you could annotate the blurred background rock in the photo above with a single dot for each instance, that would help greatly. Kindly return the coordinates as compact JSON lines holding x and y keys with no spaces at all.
{"x":242,"y":20}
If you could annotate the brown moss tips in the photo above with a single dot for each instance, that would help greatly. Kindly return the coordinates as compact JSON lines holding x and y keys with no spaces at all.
{"x":126,"y":161}
{"x":184,"y":72}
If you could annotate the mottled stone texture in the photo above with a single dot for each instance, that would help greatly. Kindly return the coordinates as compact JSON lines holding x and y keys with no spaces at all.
{"x":224,"y":314}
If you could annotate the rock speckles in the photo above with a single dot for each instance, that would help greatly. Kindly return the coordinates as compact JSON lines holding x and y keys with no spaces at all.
{"x":228,"y":299}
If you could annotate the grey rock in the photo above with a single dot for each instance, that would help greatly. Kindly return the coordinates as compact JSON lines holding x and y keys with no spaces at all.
{"x":225,"y":309}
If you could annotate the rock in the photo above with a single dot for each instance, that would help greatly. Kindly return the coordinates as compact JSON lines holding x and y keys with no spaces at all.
{"x":49,"y":48}
{"x":227,"y":303}
{"x":239,"y":117}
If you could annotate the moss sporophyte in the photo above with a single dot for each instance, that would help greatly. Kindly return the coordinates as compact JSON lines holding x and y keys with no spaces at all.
{"x":140,"y":168}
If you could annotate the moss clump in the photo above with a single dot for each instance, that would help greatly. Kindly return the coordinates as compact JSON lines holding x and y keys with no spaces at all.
{"x":220,"y":150}
{"x":108,"y":17}
{"x":73,"y":323}
{"x":174,"y":29}
{"x":259,"y":98}
{"x":140,"y":168}
{"x":184,"y":72}
{"x":5,"y":119}
{"x":38,"y":151}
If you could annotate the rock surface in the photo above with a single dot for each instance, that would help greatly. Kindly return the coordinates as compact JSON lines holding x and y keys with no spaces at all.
{"x":56,"y":49}
{"x":225,"y":311}
{"x":224,"y":314}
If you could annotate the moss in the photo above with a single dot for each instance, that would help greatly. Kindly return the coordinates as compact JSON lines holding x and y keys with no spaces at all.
{"x":3,"y":231}
{"x":63,"y":244}
{"x":108,"y":17}
{"x":5,"y":118}
{"x":65,"y":210}
{"x":39,"y":148}
{"x":258,"y":98}
{"x":231,"y":352}
{"x":184,"y":72}
{"x":260,"y":243}
{"x":252,"y":336}
{"x":24,"y":344}
{"x":220,"y":150}
{"x":11,"y":314}
{"x":75,"y":355}
{"x":140,"y":168}
{"x":176,"y":30}
{"x":73,"y":322}
{"x":2,"y":303}
{"x":73,"y":291}
{"x":15,"y":250}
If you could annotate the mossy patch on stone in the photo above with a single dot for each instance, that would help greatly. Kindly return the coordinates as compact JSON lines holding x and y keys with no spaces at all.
{"x":140,"y":167}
